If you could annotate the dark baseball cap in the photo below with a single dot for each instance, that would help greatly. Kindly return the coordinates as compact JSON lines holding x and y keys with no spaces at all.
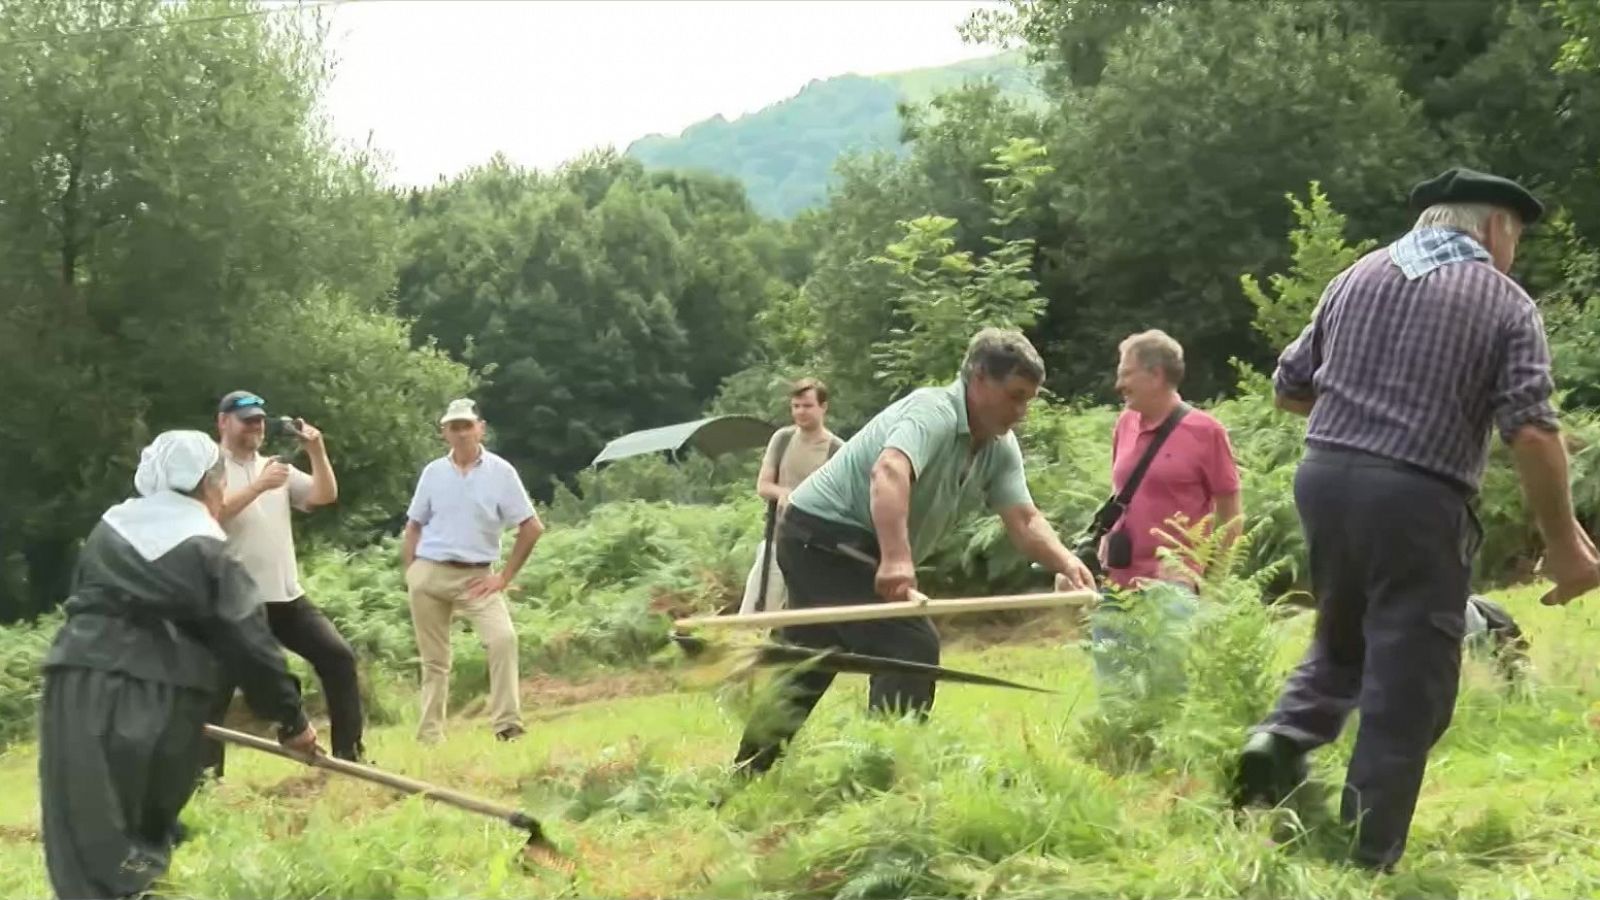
{"x":244,"y":405}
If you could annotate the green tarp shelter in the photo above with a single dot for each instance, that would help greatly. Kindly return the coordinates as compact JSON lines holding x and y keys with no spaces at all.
{"x":712,"y":437}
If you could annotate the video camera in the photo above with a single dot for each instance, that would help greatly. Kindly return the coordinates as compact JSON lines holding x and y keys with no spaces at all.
{"x":278,"y":426}
{"x":1118,"y":550}
{"x":281,"y":425}
{"x":1087,"y":550}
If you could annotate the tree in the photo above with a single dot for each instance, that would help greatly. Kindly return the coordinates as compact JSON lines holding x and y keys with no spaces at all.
{"x":952,"y":140}
{"x":594,"y":301}
{"x":734,"y":269}
{"x":352,"y":371}
{"x":1203,"y":117}
{"x":1484,"y":75}
{"x":827,"y":327}
{"x":165,"y":180}
{"x":1581,"y":20}
{"x":1071,"y":39}
{"x":1320,"y":253}
{"x":944,"y":296}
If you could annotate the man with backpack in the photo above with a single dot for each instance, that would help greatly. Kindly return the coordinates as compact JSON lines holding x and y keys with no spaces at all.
{"x":794,"y":452}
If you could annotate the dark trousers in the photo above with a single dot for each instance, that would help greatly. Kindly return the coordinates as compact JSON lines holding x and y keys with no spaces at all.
{"x":118,"y":760}
{"x":303,"y":630}
{"x":818,"y":574}
{"x":1391,"y":551}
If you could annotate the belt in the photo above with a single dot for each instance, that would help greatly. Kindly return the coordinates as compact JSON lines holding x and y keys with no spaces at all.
{"x":830,"y":536}
{"x":459,"y":564}
{"x":1316,"y":451}
{"x":1472,"y":541}
{"x":146,"y":620}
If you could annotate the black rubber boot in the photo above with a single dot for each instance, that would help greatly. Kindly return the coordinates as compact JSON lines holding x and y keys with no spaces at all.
{"x":1270,"y":767}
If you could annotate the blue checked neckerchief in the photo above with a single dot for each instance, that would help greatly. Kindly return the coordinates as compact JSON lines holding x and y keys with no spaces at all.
{"x":1422,"y":250}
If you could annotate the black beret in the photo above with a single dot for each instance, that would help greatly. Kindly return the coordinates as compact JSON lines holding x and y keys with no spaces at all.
{"x":1460,"y":185}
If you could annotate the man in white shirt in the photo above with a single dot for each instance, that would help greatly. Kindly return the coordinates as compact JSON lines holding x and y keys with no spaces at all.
{"x":463,"y":502}
{"x":260,"y":493}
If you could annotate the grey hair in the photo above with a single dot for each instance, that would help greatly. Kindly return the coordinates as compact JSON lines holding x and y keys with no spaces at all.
{"x":1472,"y":218}
{"x":998,"y":353}
{"x":1156,"y":351}
{"x":217,"y":474}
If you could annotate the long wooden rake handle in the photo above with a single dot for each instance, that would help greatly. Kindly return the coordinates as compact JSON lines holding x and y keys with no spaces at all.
{"x":513,"y":817}
{"x":823,"y":615}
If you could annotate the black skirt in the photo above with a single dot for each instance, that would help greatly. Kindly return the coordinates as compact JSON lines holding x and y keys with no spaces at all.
{"x":119,"y":757}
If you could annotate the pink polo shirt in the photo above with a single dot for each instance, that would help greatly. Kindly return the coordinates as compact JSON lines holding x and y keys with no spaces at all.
{"x":1194,"y":467}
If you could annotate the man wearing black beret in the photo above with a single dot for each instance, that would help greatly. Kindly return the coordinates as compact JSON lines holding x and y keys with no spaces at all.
{"x":1467,"y":186}
{"x":1413,"y":354}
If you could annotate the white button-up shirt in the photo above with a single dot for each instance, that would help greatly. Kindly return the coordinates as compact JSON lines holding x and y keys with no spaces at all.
{"x":463,"y":513}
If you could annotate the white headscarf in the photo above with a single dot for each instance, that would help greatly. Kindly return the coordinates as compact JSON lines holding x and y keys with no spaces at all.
{"x":162,"y":517}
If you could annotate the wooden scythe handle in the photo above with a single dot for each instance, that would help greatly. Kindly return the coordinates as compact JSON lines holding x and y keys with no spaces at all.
{"x":367,"y":773}
{"x":919,"y":606}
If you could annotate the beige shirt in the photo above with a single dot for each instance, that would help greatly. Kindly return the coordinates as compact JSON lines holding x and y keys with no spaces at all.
{"x":260,"y":536}
{"x":803,"y":456}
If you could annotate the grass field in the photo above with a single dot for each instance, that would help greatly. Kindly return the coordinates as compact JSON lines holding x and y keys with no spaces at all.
{"x":1004,"y":794}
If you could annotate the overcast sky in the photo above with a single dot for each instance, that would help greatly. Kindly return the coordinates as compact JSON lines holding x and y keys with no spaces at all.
{"x":440,"y":86}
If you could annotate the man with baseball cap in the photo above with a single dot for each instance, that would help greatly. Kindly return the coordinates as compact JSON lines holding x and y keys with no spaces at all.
{"x":463,"y":502}
{"x":255,"y":516}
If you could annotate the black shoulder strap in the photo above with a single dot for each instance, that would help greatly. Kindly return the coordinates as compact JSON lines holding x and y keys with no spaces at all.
{"x":834,"y":445}
{"x":1110,"y":512}
{"x":1167,"y":427}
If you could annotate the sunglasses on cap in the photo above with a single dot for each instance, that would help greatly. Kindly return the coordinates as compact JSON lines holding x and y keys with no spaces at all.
{"x":244,"y":401}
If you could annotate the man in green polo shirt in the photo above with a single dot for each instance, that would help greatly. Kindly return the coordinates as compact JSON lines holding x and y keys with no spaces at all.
{"x":855,"y":530}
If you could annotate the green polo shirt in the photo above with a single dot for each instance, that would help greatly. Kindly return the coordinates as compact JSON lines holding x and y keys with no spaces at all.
{"x":930,"y":427}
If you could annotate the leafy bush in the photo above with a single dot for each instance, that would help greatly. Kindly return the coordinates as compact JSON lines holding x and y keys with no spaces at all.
{"x":22,"y":648}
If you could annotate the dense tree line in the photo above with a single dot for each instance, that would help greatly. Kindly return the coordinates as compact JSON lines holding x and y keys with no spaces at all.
{"x":175,"y":222}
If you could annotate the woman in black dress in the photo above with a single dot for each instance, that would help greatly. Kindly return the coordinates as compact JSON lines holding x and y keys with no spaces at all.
{"x":158,"y":614}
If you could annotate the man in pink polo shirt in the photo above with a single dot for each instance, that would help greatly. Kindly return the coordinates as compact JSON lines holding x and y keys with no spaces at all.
{"x":1192,"y":476}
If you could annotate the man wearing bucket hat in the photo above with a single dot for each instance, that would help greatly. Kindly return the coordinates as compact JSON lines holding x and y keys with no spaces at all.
{"x":463,"y":502}
{"x":1412,"y":356}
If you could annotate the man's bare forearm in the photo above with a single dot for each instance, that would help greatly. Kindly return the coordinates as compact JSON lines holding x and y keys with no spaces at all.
{"x":1541,"y":462}
{"x":324,"y":485}
{"x":1229,"y":517}
{"x":891,"y":504}
{"x":771,"y":491}
{"x":1039,"y":542}
{"x":408,"y":544}
{"x":1293,"y":405}
{"x":236,"y":502}
{"x":527,"y":535}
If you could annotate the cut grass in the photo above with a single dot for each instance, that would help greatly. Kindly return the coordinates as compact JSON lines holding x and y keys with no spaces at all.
{"x":992,"y":798}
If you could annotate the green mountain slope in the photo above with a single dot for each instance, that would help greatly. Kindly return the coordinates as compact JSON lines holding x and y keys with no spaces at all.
{"x":784,"y":153}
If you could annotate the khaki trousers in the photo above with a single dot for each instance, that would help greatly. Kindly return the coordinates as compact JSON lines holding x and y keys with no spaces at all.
{"x":438,"y":594}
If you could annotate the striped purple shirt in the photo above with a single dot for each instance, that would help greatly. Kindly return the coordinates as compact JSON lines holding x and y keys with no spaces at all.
{"x":1419,"y":370}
